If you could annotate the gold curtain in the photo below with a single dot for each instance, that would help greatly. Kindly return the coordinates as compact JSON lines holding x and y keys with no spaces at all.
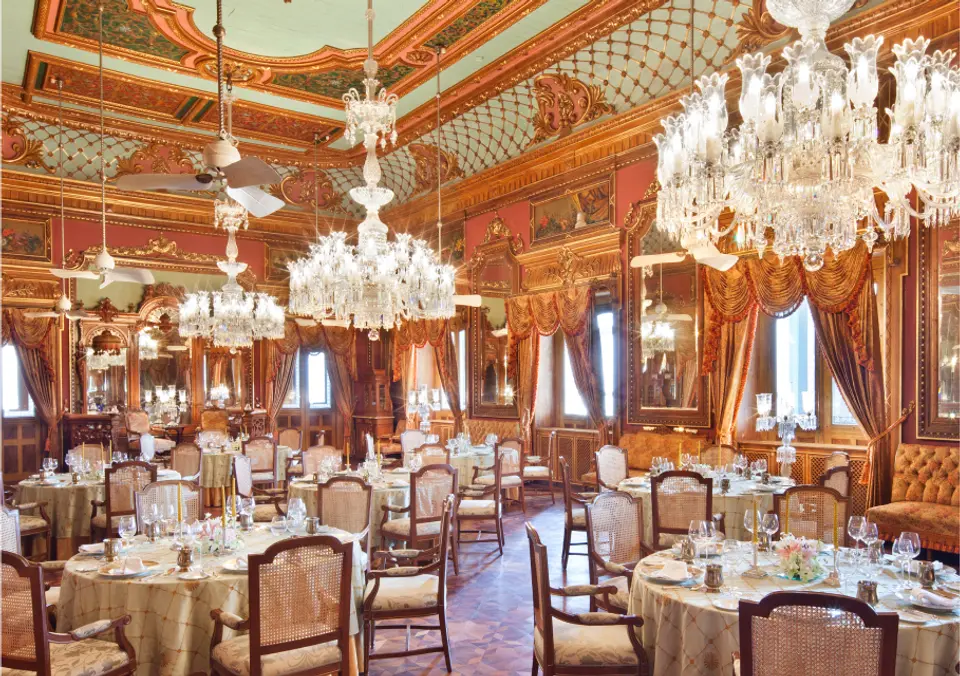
{"x":35,"y":341}
{"x":437,"y":333}
{"x":281,"y":358}
{"x":528,"y":366}
{"x":340,"y":343}
{"x":446,"y":353}
{"x":730,"y":366}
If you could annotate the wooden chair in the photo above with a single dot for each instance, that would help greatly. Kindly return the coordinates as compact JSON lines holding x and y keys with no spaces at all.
{"x":264,"y":458}
{"x":418,"y":524}
{"x":122,"y":483}
{"x":815,"y":634}
{"x":30,"y":646}
{"x":10,"y":542}
{"x":434,"y":454}
{"x":480,"y":503}
{"x":809,"y":511}
{"x":137,"y":423}
{"x":585,"y":643}
{"x":268,"y":501}
{"x":313,"y":456}
{"x":91,"y":452}
{"x":507,"y":454}
{"x":614,"y":545}
{"x":535,"y":468}
{"x":35,"y":523}
{"x":290,"y":437}
{"x":215,"y":419}
{"x":574,"y":514}
{"x":345,"y":502}
{"x":837,"y":478}
{"x":718,"y":454}
{"x":163,"y":493}
{"x":299,"y":623}
{"x":677,"y":498}
{"x":411,"y":440}
{"x":407,"y":593}
{"x":612,"y":467}
{"x":186,"y":459}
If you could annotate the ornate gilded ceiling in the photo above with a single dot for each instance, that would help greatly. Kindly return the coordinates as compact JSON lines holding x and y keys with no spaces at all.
{"x":518,"y":75}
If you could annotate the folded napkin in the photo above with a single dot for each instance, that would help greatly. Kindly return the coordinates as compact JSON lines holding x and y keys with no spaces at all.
{"x":133,"y":564}
{"x":242,"y":562}
{"x":658,"y":559}
{"x":95,"y":548}
{"x":674,"y":571}
{"x":926,"y":598}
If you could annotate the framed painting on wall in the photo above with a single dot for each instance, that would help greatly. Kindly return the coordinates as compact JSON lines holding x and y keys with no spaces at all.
{"x":26,"y":239}
{"x":586,"y":206}
{"x":276,"y":259}
{"x":453,"y":246}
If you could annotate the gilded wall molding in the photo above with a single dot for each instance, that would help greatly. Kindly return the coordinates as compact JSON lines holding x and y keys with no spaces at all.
{"x":497,"y":229}
{"x":572,"y":268}
{"x":19,"y":289}
{"x":20,"y":148}
{"x":564,"y":102}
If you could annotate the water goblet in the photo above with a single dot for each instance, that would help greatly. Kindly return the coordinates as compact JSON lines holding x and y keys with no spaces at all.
{"x":854,"y":530}
{"x":914,"y":539}
{"x":903,"y":553}
{"x":278,"y":525}
{"x":126,"y":529}
{"x":707,"y":533}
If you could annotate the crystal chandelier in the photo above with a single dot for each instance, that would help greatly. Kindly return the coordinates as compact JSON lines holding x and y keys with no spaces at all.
{"x":657,"y":334}
{"x":806,"y":160}
{"x":376,"y":283}
{"x":149,"y":346}
{"x":231,"y":317}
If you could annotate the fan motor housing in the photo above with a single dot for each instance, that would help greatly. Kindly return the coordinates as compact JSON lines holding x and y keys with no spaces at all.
{"x":220,"y":153}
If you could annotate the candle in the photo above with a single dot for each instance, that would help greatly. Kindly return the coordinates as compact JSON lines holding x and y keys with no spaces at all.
{"x":699,"y":450}
{"x":101,"y":454}
{"x":346,"y":454}
{"x":786,"y":518}
{"x":179,"y":502}
{"x":679,"y":453}
{"x":223,"y":507}
{"x":836,"y":543}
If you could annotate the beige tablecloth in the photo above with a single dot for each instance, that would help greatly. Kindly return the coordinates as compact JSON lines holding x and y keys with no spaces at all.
{"x":464,"y":465}
{"x":216,"y":467}
{"x":395,"y":494}
{"x":171,"y":626}
{"x":684,"y":633}
{"x":733,"y":506}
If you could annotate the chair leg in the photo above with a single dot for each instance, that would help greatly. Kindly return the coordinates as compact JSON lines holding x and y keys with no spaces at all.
{"x":367,"y":642}
{"x":443,"y":640}
{"x":499,"y":525}
{"x":566,"y":547}
{"x":553,"y":494}
{"x":536,"y":666}
{"x":523,"y":499}
{"x":456,"y":548}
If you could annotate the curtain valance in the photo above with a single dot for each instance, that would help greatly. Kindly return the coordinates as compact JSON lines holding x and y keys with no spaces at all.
{"x":567,"y":309}
{"x":417,"y":334}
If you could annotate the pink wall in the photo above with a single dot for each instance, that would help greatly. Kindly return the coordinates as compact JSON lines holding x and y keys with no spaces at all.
{"x":516,"y":216}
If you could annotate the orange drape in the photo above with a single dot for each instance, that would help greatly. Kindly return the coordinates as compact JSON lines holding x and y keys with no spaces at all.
{"x":438,"y":333}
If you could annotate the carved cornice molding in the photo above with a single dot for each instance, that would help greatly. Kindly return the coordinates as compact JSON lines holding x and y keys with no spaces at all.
{"x":18,"y":290}
{"x":564,"y":102}
{"x":640,"y":217}
{"x":571,"y":268}
{"x":497,"y":229}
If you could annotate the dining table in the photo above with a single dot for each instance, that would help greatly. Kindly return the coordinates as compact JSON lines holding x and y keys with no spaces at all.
{"x":69,"y":505}
{"x":170,"y":625}
{"x":687,"y":631}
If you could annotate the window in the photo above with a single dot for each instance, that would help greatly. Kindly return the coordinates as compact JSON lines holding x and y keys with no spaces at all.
{"x":318,"y":381}
{"x":796,"y":357}
{"x":462,"y":366}
{"x":292,"y":400}
{"x":840,"y":414}
{"x":16,"y":399}
{"x":572,"y":401}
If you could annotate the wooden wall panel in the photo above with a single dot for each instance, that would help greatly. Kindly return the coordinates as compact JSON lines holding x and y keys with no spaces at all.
{"x":23,"y":440}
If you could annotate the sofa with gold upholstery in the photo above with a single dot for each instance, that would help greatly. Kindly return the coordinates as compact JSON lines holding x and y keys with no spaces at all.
{"x":479,"y":428}
{"x":925,"y":497}
{"x":643,"y":446}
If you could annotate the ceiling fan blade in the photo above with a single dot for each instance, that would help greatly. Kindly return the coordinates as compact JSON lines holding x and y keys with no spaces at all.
{"x":500,"y":333}
{"x":78,"y":314}
{"x":657,"y":259}
{"x":302,"y":321}
{"x":468,"y":300}
{"x":342,"y":323}
{"x":255,"y":200}
{"x":250,"y":171}
{"x":45,"y":314}
{"x":74,"y":274}
{"x":163,"y":182}
{"x":679,"y":318}
{"x":134,"y":275}
{"x":710,"y":256}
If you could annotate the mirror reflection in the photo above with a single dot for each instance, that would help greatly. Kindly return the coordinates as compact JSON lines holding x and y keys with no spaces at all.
{"x":106,"y":365}
{"x":948,"y":340}
{"x":223,"y":371}
{"x":495,"y":387}
{"x":164,"y":369}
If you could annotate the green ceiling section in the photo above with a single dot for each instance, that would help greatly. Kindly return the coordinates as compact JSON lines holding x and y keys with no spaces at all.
{"x":125,"y":294}
{"x":336,"y":83}
{"x":474,"y":17}
{"x":122,"y":27}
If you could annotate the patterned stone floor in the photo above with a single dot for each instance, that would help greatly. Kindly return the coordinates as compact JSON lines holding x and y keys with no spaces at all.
{"x":490,"y":607}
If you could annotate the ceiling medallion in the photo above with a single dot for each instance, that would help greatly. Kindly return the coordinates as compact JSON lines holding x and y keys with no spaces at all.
{"x":563,"y":103}
{"x":806,"y":160}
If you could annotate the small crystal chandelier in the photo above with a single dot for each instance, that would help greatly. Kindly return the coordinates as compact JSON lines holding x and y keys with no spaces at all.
{"x":149,"y":346}
{"x":104,"y":352}
{"x":806,"y":160}
{"x":376,"y":283}
{"x":657,"y":334}
{"x":231,"y":317}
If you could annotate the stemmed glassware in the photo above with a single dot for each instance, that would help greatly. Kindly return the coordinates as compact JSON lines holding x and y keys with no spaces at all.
{"x":278,"y":526}
{"x":910,"y":549}
{"x":903,"y":552}
{"x":296,"y":513}
{"x":126,"y":529}
{"x":855,"y":530}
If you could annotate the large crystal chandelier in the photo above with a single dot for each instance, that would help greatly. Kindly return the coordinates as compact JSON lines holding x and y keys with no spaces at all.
{"x":806,"y":160}
{"x":231,"y":317}
{"x":376,"y":283}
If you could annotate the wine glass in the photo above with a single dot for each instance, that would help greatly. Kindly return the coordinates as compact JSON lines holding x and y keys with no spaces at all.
{"x":869,"y":535}
{"x":707,"y":534}
{"x":903,"y":552}
{"x":248,"y":505}
{"x":854,"y":530}
{"x":278,"y":525}
{"x":126,"y":529}
{"x":750,"y":523}
{"x":770,"y":524}
{"x":914,"y":540}
{"x":151,"y":515}
{"x":416,"y":462}
{"x":296,"y":513}
{"x":730,"y":554}
{"x":169,"y":517}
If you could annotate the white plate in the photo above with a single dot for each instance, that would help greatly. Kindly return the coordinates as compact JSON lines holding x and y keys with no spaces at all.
{"x":115,"y":571}
{"x":193,"y":575}
{"x":233,"y":566}
{"x":650,"y":575}
{"x":95,"y":548}
{"x":726,"y":603}
{"x":913,"y":617}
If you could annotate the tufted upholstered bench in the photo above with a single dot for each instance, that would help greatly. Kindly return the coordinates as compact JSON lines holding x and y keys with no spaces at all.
{"x":925,"y":497}
{"x":643,"y":446}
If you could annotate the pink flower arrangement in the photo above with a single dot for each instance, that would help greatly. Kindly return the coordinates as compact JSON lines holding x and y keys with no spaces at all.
{"x":798,"y":558}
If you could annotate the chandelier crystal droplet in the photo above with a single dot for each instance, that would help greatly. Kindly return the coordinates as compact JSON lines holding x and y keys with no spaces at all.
{"x":806,"y":160}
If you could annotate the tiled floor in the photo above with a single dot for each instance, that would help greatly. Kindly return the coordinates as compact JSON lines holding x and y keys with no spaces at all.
{"x":490,"y":607}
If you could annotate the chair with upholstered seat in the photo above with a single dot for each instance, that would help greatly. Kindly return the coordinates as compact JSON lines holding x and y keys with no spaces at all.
{"x":612,"y":468}
{"x":299,"y":623}
{"x":122,"y":482}
{"x":91,"y":452}
{"x":434,"y":454}
{"x":574,"y":515}
{"x":33,"y":522}
{"x":837,"y":474}
{"x":29,"y":646}
{"x":718,"y":455}
{"x":164,"y":493}
{"x":811,"y":512}
{"x":313,"y":456}
{"x":585,"y":643}
{"x":815,"y":634}
{"x":264,"y":457}
{"x":677,"y":498}
{"x":138,"y":424}
{"x":269,"y":502}
{"x":418,"y":524}
{"x":292,"y":438}
{"x":614,"y":545}
{"x":185,"y":459}
{"x":536,"y":468}
{"x":411,"y":440}
{"x":406,"y":592}
{"x":344,"y":502}
{"x":479,"y":503}
{"x":10,"y":542}
{"x":507,"y":454}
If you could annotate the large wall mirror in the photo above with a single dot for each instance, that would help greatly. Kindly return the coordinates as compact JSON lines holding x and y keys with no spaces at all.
{"x":165,"y":364}
{"x":227,"y":377}
{"x":495,"y":276}
{"x":938,"y":333}
{"x":663,"y":334}
{"x":103,"y":369}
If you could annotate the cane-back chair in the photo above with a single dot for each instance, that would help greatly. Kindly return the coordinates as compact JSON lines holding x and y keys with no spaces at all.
{"x":29,"y":646}
{"x":264,"y":456}
{"x":574,"y":516}
{"x":137,"y":424}
{"x":585,"y":643}
{"x":612,"y":467}
{"x":313,"y":456}
{"x":718,"y":455}
{"x":33,"y":523}
{"x":815,"y":634}
{"x":506,"y":454}
{"x":122,"y":482}
{"x":535,"y":468}
{"x":614,"y":544}
{"x":434,"y":454}
{"x":677,"y":498}
{"x":837,"y":478}
{"x":290,"y":437}
{"x":215,"y":420}
{"x":811,"y":512}
{"x":163,"y":493}
{"x":269,"y":502}
{"x":344,"y":502}
{"x":411,"y":440}
{"x":479,"y":503}
{"x":185,"y":459}
{"x":418,"y":524}
{"x":299,"y":623}
{"x":399,"y":590}
{"x":10,"y":542}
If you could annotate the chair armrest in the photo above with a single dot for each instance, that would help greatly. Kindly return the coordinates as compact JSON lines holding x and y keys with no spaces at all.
{"x":608,"y":619}
{"x":98,"y":503}
{"x":229,"y":620}
{"x":52,"y":566}
{"x":394,"y":509}
{"x":89,"y":630}
{"x":583,"y":590}
{"x":583,"y":498}
{"x":618,"y":568}
{"x":30,"y":505}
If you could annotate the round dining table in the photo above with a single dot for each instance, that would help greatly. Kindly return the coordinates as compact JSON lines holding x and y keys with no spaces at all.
{"x":170,"y":625}
{"x":69,"y":506}
{"x":733,"y":504}
{"x":689,"y":632}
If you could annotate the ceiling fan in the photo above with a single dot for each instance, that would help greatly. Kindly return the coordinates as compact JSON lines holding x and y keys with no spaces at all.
{"x":239,"y":177}
{"x":708,"y":255}
{"x":104,"y":266}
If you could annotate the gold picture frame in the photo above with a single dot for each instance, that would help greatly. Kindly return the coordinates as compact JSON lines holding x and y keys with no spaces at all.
{"x":554,"y":215}
{"x":27,"y":239}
